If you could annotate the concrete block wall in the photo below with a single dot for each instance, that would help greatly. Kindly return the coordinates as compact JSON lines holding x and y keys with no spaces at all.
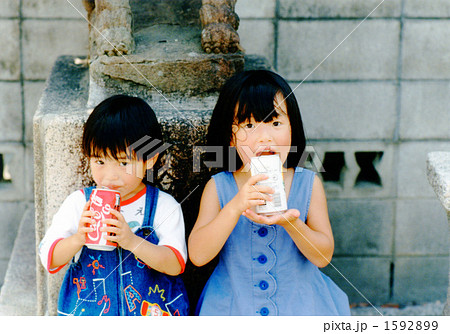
{"x":33,"y":34}
{"x":374,"y":96}
{"x":381,"y":94}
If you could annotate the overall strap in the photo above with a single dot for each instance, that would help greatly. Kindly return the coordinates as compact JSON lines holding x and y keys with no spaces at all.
{"x":87,"y":192}
{"x":151,"y":200}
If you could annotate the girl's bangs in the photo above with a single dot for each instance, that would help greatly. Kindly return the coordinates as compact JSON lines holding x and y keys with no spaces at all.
{"x":106,"y":139}
{"x":102,"y":147}
{"x":257,"y":102}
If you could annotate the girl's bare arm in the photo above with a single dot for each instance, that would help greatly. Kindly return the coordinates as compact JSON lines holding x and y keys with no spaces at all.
{"x":158,"y":257}
{"x":214,"y":225}
{"x":315,"y":238}
{"x":66,"y":248}
{"x":212,"y":228}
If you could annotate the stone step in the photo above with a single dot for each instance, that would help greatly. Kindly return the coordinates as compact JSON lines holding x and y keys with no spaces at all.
{"x":18,"y":293}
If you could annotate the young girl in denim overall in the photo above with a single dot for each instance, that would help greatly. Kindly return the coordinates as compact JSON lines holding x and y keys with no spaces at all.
{"x":268,"y":265}
{"x":139,"y":277}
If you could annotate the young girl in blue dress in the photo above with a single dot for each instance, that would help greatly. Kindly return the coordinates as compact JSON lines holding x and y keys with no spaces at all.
{"x":268,"y":265}
{"x":139,"y":277}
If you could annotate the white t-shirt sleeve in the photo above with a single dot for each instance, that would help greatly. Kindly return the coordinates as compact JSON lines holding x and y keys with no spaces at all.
{"x":64,"y":224}
{"x":169,"y":224}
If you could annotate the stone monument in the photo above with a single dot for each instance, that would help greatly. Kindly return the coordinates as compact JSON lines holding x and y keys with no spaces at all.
{"x":175,"y":55}
{"x":187,"y":47}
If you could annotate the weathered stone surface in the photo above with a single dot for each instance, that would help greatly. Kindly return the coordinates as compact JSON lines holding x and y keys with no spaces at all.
{"x":425,"y":103}
{"x":347,"y":110}
{"x":110,"y":28}
{"x":10,"y":112}
{"x":412,"y":165}
{"x":426,"y":46}
{"x":339,"y":9}
{"x":9,"y":57}
{"x":255,"y":9}
{"x":421,"y":228}
{"x":370,"y":234}
{"x":438,"y":172}
{"x":178,"y":12}
{"x":52,"y":9}
{"x":162,"y":49}
{"x":168,"y":59}
{"x":420,"y":279}
{"x":40,"y":36}
{"x":13,"y":157}
{"x":9,"y":8}
{"x":435,"y":8}
{"x":316,"y":50}
{"x":32,"y":93}
{"x":219,"y":26}
{"x":264,"y":29}
{"x":363,"y":279}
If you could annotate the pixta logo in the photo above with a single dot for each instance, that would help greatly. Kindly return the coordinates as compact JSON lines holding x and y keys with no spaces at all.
{"x":145,"y":149}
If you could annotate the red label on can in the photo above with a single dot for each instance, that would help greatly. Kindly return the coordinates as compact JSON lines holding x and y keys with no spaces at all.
{"x":102,"y":201}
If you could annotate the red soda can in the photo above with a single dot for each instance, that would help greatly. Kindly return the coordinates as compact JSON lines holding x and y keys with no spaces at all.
{"x":102,"y":201}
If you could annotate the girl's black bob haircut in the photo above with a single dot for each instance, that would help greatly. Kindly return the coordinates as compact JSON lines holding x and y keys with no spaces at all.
{"x":253,"y":92}
{"x":116,"y":125}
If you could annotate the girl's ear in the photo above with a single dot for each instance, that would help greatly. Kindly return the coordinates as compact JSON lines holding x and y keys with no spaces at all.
{"x":151,"y":162}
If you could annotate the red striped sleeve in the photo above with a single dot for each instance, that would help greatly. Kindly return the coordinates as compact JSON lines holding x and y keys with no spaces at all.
{"x":179,"y":258}
{"x":50,"y":256}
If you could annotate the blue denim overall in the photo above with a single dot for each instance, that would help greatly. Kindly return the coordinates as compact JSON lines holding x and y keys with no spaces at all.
{"x":118,"y":283}
{"x":262,"y":272}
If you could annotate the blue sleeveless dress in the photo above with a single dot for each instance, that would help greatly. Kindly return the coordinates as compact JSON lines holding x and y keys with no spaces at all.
{"x":262,"y":272}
